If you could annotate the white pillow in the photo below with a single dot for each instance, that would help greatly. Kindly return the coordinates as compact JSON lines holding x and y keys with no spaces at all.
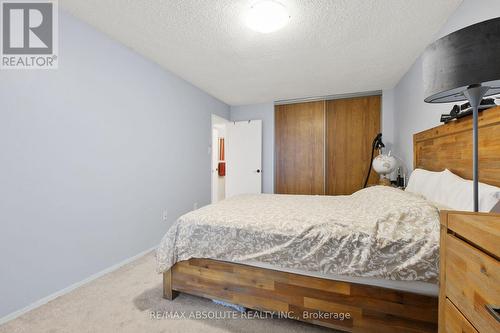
{"x":449,"y":190}
{"x":459,"y":193}
{"x":426,"y":183}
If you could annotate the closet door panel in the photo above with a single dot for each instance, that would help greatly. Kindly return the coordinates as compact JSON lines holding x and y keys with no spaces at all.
{"x":300,"y":148}
{"x":351,"y":124}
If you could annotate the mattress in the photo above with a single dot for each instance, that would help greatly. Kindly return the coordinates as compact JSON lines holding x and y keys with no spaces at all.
{"x":378,"y":233}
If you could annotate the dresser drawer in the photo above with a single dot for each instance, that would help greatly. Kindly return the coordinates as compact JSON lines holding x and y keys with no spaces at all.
{"x":455,"y":321}
{"x":472,"y":283}
{"x":482,"y":230}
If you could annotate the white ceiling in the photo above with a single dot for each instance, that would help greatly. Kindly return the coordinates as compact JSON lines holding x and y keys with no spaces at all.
{"x":329,"y":47}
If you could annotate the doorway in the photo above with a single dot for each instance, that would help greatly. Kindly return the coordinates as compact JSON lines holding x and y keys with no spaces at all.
{"x":218,"y":158}
{"x":236,"y":157}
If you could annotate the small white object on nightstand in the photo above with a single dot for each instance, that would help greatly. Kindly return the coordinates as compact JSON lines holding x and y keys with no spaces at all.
{"x":384,"y":165}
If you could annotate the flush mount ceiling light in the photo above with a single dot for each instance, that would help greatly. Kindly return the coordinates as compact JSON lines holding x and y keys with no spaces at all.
{"x":267,"y":16}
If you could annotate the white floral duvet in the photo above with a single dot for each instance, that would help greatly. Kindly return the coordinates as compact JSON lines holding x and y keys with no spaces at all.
{"x":378,"y":232}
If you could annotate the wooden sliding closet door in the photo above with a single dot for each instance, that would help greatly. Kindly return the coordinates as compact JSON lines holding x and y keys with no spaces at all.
{"x":351,"y":124}
{"x":300,"y":148}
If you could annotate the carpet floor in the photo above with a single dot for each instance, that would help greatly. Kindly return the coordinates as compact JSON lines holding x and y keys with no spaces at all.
{"x":124,"y":301}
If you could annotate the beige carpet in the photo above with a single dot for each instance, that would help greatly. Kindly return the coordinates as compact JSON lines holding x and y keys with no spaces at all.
{"x":123,"y":300}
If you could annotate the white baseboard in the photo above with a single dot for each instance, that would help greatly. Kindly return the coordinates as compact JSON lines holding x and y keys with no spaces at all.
{"x":66,"y":290}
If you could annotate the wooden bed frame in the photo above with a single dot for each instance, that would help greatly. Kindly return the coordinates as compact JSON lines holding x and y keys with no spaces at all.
{"x":364,"y":308}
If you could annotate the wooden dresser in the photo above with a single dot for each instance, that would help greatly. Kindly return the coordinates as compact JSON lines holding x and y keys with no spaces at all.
{"x":470,"y":273}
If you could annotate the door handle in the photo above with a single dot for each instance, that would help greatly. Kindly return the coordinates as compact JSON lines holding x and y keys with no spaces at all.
{"x":258,"y":170}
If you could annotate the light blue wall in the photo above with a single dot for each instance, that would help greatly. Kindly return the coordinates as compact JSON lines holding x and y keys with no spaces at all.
{"x":388,"y":118}
{"x":412,"y":115}
{"x":90,"y":155}
{"x":264,"y":112}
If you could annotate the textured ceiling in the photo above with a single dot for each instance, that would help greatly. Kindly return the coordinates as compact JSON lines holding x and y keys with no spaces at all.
{"x":329,"y":47}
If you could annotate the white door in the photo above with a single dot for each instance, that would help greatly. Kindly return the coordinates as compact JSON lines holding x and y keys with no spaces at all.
{"x":243,"y":157}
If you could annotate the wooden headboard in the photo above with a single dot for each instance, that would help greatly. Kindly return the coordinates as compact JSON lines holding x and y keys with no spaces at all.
{"x":449,"y":146}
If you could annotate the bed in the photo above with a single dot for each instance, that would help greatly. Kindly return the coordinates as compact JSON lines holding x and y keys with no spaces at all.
{"x":379,"y":232}
{"x":361,"y":263}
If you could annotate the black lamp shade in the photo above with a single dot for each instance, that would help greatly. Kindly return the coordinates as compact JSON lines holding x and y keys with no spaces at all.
{"x":463,"y":58}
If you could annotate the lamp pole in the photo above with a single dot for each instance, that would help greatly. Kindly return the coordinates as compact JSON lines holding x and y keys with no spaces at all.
{"x":474,"y":95}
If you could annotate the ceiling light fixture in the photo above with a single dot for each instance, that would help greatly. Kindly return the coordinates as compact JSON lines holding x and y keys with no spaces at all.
{"x":267,"y":16}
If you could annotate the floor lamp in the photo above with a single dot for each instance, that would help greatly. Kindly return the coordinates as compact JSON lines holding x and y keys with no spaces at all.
{"x":465,"y":65}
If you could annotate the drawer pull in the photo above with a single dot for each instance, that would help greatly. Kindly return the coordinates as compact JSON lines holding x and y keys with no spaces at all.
{"x":494,"y":311}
